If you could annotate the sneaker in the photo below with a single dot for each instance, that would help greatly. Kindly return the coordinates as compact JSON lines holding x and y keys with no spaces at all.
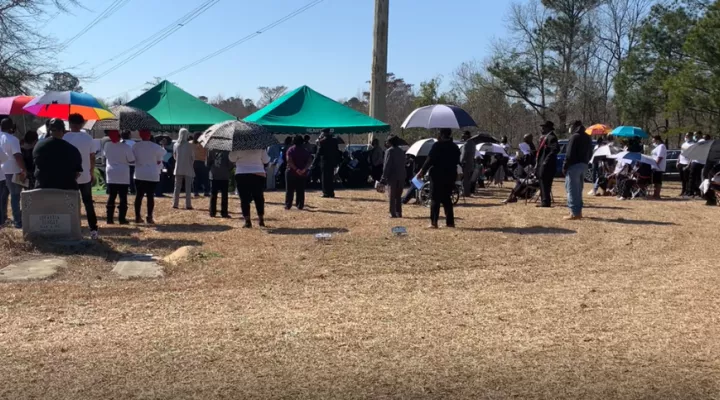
{"x":94,"y":235}
{"x":591,"y":193}
{"x":572,"y":217}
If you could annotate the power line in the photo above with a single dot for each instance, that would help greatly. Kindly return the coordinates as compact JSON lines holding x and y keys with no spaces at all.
{"x":160,"y":36}
{"x":238,"y":42}
{"x":248,"y":37}
{"x":110,"y":10}
{"x":178,"y":23}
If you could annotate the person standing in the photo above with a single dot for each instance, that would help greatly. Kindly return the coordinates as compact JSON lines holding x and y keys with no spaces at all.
{"x":696,"y":168}
{"x":467,"y":161}
{"x":58,"y":164}
{"x":148,"y":164}
{"x":328,"y":158}
{"x":442,"y":163}
{"x":298,"y":164}
{"x":659,"y":154}
{"x":118,"y":157}
{"x":579,"y":151}
{"x":220,"y":169}
{"x":684,"y":166}
{"x":184,"y":168}
{"x":27,"y":147}
{"x":85,"y":145}
{"x":547,"y":163}
{"x":14,"y":165}
{"x":202,"y":177}
{"x":375,"y":158}
{"x":129,"y":142}
{"x":394,"y":174}
{"x":250,"y":179}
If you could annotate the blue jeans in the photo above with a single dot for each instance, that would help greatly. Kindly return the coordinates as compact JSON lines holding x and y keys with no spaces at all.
{"x":13,"y":190}
{"x":574,"y":181}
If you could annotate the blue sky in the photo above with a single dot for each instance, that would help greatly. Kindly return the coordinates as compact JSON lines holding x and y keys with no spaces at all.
{"x":329,"y":47}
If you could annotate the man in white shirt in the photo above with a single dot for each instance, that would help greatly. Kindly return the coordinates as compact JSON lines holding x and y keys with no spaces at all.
{"x":684,"y":166}
{"x":696,"y":168}
{"x":85,"y":144}
{"x":14,"y":165}
{"x":148,"y":165}
{"x":659,"y":154}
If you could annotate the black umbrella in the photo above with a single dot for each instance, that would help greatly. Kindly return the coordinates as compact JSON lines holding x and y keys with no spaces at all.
{"x":128,"y":119}
{"x":484,"y":137}
{"x":237,"y":135}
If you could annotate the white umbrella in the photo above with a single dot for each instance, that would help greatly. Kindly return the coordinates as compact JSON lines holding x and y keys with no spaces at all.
{"x":421,"y":148}
{"x":629,"y":157}
{"x":492,"y":148}
{"x":602,"y":151}
{"x":439,"y":116}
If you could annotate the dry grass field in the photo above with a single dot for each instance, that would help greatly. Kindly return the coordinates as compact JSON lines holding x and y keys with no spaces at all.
{"x":514,"y":303}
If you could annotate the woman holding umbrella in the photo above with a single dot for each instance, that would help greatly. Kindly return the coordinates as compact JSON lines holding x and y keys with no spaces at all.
{"x":442,"y":162}
{"x":247,"y":143}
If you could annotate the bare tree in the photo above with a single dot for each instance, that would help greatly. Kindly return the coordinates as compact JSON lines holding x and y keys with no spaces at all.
{"x":25,"y":53}
{"x":269,"y":94}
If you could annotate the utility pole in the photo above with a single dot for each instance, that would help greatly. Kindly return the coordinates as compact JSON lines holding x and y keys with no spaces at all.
{"x":378,"y":80}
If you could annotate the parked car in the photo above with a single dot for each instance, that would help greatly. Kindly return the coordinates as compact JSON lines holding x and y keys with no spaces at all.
{"x":672,"y":161}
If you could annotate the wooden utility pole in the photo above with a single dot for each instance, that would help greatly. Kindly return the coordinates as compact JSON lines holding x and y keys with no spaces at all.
{"x":378,"y":80}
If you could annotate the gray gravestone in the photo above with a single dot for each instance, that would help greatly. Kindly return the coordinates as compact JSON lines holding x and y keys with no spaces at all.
{"x":51,"y":214}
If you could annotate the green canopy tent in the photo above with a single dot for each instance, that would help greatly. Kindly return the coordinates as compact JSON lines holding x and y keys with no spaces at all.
{"x":174,"y":107}
{"x":306,"y":111}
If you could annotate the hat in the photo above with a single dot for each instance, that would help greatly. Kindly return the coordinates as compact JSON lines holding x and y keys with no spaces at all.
{"x":57,"y":123}
{"x":548,"y":124}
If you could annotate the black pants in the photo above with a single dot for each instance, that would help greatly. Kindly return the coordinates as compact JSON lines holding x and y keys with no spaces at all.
{"x":145,"y":188}
{"x":395,"y":191}
{"x":115,"y":191}
{"x":695,"y":179}
{"x":251,"y":188}
{"x":219,"y":186}
{"x":132,"y":179}
{"x":86,"y":194}
{"x":684,"y":178}
{"x":546,"y":190}
{"x":202,"y":178}
{"x":376,"y":172}
{"x":409,"y":194}
{"x":295,"y":185}
{"x":441,"y":195}
{"x":328,"y":181}
{"x":468,"y":171}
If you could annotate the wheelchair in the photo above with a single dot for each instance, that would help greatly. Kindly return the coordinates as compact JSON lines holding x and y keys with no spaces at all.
{"x":424,"y":198}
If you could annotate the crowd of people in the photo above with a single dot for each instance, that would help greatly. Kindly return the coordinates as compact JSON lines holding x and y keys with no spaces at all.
{"x":66,"y":160}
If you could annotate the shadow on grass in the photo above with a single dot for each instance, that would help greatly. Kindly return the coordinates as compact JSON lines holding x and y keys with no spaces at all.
{"x":93,"y":248}
{"x":118,"y":231}
{"x":368,"y":200}
{"x":156,"y":244}
{"x":631,"y":221}
{"x":174,"y":228}
{"x":530,"y":230}
{"x":605,"y":207}
{"x":305,"y":231}
{"x":333,"y":212}
{"x":477,"y":205}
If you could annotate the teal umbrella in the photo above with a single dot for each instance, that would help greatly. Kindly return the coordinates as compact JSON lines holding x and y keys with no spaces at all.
{"x":629,"y":132}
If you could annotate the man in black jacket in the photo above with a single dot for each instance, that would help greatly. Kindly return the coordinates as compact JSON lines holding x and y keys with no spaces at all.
{"x":579,"y":150}
{"x":547,"y":162}
{"x":328,"y":157}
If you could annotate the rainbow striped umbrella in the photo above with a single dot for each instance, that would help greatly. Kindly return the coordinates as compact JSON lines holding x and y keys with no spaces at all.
{"x":62,"y":104}
{"x":14,"y":105}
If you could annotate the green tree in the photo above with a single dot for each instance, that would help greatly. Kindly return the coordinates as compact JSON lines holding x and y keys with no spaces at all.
{"x":63,"y":81}
{"x":429,"y":93}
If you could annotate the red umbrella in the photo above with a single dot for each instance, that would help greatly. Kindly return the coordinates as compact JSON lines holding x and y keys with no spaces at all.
{"x":14,"y":105}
